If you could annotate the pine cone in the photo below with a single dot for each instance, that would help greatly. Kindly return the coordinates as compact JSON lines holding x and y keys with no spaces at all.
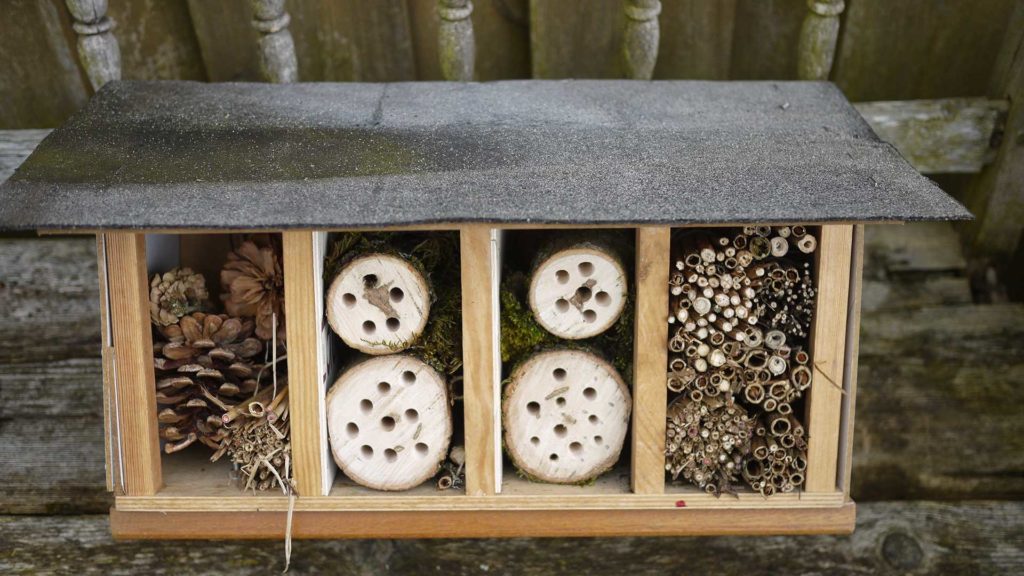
{"x":205,"y":366}
{"x":253,"y":286}
{"x":175,"y":294}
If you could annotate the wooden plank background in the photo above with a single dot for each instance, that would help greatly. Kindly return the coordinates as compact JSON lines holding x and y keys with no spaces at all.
{"x":887,"y":50}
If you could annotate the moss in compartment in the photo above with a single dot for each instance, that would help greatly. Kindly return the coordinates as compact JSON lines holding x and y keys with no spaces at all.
{"x":436,"y":256}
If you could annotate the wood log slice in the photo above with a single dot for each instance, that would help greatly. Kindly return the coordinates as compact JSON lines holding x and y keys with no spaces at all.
{"x":389,"y":422}
{"x":378,"y":304}
{"x":578,"y":292}
{"x":565,"y":416}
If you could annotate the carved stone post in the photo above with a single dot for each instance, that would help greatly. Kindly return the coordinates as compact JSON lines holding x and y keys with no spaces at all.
{"x":277,"y":50}
{"x":818,"y":38}
{"x":640,"y":43}
{"x":97,"y":47}
{"x":456,"y":46}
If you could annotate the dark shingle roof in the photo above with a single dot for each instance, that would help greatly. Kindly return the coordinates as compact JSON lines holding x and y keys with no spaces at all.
{"x":192,"y":155}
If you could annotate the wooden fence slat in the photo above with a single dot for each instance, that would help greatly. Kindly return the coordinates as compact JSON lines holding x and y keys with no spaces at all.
{"x":765,"y":39}
{"x":915,"y":49}
{"x":569,"y":42}
{"x":226,"y":39}
{"x":937,"y":136}
{"x":818,"y":37}
{"x":695,"y":40}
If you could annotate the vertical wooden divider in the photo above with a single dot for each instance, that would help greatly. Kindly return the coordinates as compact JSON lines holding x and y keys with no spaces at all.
{"x":828,"y":353}
{"x":133,"y":377}
{"x":478,"y":360}
{"x":302,"y":326}
{"x":852,"y":360}
{"x":650,"y":359}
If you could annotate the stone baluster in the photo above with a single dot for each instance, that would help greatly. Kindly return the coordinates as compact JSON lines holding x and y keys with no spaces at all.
{"x":97,"y":48}
{"x":640,"y":42}
{"x":818,"y":38}
{"x":277,"y":49}
{"x":456,"y":46}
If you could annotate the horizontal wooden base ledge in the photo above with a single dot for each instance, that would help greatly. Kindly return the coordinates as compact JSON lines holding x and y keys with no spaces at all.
{"x":483,"y":523}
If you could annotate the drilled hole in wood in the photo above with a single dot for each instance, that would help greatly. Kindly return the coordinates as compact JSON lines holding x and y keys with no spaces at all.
{"x":411,"y":415}
{"x":560,"y":401}
{"x":366,"y":406}
{"x":593,"y":419}
{"x":553,"y":457}
{"x":586,"y":268}
{"x":559,"y":374}
{"x":576,"y":448}
{"x":598,"y":440}
{"x":370,"y":281}
{"x":393,"y":324}
{"x":390,"y":455}
{"x":366,"y":451}
{"x":603,"y":298}
{"x":562,"y":305}
{"x":583,"y":293}
{"x":535,"y":441}
{"x":589,"y":393}
{"x":533,"y":408}
{"x":349,"y":299}
{"x":369,"y":327}
{"x":408,"y":377}
{"x":421,"y":448}
{"x":383,"y":387}
{"x":589,"y":316}
{"x":387,"y":423}
{"x":396,"y":294}
{"x":561,"y":430}
{"x":352,"y":429}
{"x":562,"y":276}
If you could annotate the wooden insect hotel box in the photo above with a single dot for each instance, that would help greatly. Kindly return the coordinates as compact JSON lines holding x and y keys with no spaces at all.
{"x":533,"y":308}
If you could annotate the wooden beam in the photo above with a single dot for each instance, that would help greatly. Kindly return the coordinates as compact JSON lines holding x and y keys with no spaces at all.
{"x":650,"y":359}
{"x":306,"y":401}
{"x":938,"y":136}
{"x":483,"y":523}
{"x":479,"y":400}
{"x":828,"y":354}
{"x":849,"y":404}
{"x":134,"y":380}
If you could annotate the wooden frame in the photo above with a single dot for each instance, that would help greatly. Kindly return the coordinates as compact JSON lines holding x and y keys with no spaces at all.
{"x":171,"y":503}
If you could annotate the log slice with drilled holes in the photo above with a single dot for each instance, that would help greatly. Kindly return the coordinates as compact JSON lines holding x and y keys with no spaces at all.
{"x":566,"y":413}
{"x":578,"y":292}
{"x":378,"y":304}
{"x":389,"y":422}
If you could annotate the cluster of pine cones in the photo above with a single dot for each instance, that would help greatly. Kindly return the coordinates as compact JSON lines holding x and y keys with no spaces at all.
{"x":213,"y":370}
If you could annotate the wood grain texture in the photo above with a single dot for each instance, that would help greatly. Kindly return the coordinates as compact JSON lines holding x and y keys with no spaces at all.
{"x":37,"y":37}
{"x":157,"y":40}
{"x":765,"y":36}
{"x":483,"y":524}
{"x":696,"y":39}
{"x":650,"y":359}
{"x":305,"y":400}
{"x":478,"y":360}
{"x":227,"y":40}
{"x":134,"y":385}
{"x":849,"y":404}
{"x":951,"y":135}
{"x":828,"y":354}
{"x":567,"y":42}
{"x":916,"y":49}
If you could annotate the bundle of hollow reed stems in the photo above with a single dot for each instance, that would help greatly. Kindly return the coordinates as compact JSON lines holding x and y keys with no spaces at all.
{"x":742,"y":303}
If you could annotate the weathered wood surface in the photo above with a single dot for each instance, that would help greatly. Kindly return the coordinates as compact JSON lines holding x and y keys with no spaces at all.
{"x":696,"y":39}
{"x":937,"y":136}
{"x":818,"y":37}
{"x":891,"y":538}
{"x":98,"y":51}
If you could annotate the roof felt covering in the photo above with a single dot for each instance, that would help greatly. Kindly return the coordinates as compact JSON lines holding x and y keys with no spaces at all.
{"x":248,"y":156}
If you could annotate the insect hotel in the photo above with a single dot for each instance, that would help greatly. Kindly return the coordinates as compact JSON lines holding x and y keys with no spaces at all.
{"x":446,"y":310}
